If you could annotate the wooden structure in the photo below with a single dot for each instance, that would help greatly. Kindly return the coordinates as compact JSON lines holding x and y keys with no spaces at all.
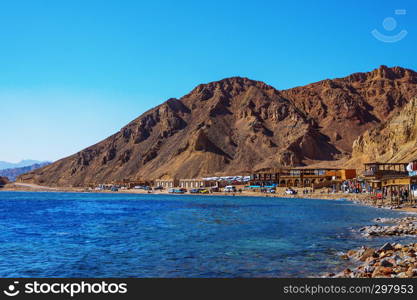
{"x":302,"y":177}
{"x":127,"y":183}
{"x":167,"y":183}
{"x":376,"y":172}
{"x":399,"y":189}
{"x":390,"y":181}
{"x":196,"y":183}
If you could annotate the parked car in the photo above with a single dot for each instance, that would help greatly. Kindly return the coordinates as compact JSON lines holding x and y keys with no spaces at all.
{"x":229,"y":189}
{"x":204,"y":191}
{"x":290,"y":192}
{"x":158,"y":188}
{"x":195,"y":191}
{"x":176,"y":191}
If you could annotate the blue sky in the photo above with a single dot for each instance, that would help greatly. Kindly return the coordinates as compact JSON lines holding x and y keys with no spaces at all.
{"x":74,"y":72}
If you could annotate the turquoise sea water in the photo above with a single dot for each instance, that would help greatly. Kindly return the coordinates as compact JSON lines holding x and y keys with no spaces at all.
{"x":129,"y":235}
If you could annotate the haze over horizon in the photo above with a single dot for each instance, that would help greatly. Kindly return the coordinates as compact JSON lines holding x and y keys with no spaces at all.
{"x":75,"y":73}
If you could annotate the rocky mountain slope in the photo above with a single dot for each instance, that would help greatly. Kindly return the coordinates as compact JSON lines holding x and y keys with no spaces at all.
{"x":3,"y":181}
{"x":238,"y":125}
{"x":392,"y":141}
{"x":345,"y":107}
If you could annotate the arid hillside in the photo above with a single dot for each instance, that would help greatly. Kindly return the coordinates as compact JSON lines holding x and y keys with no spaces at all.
{"x":3,"y":181}
{"x":344,"y":108}
{"x":237,"y":125}
{"x":393,"y":141}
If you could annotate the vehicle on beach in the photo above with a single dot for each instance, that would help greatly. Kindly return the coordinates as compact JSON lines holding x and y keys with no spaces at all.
{"x":195,"y":191}
{"x":203,"y":191}
{"x":229,"y":189}
{"x":177,"y":191}
{"x":114,"y":189}
{"x":290,"y":191}
{"x":158,"y":188}
{"x":142,"y":187}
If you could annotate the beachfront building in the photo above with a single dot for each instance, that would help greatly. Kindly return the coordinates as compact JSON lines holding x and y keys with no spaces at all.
{"x":375,"y":173}
{"x":131,"y":184}
{"x":400,"y":189}
{"x":394,"y":181}
{"x":222,"y":181}
{"x":302,"y":177}
{"x":196,"y":183}
{"x":167,"y":183}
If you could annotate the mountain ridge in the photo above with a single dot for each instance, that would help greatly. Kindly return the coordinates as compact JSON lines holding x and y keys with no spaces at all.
{"x":13,"y":173}
{"x":22,"y":163}
{"x":238,"y":125}
{"x":393,"y":141}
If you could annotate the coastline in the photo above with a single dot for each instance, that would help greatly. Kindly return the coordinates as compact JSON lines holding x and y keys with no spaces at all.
{"x":392,"y":260}
{"x":362,"y":199}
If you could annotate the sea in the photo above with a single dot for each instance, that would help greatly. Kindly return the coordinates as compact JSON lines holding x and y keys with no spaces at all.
{"x":53,"y":234}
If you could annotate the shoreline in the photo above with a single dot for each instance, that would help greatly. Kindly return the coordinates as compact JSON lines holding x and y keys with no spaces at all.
{"x":391,"y":260}
{"x":361,"y":199}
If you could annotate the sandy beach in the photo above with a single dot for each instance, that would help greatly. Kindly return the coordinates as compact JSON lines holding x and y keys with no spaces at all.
{"x":280,"y":193}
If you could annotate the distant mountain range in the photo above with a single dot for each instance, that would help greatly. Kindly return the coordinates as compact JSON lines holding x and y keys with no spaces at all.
{"x":23,"y":163}
{"x":12,"y":173}
{"x":237,"y":126}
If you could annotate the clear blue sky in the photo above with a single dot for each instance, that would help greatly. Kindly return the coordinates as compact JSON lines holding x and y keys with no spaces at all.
{"x":74,"y":72}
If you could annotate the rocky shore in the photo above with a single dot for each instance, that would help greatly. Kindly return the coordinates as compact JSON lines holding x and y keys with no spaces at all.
{"x":399,"y":227}
{"x":389,"y":261}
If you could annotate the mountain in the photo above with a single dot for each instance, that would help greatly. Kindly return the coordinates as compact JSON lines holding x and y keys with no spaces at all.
{"x":237,"y":125}
{"x":344,"y":108}
{"x":3,"y":181}
{"x":23,"y":163}
{"x":393,"y":141}
{"x":13,"y":173}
